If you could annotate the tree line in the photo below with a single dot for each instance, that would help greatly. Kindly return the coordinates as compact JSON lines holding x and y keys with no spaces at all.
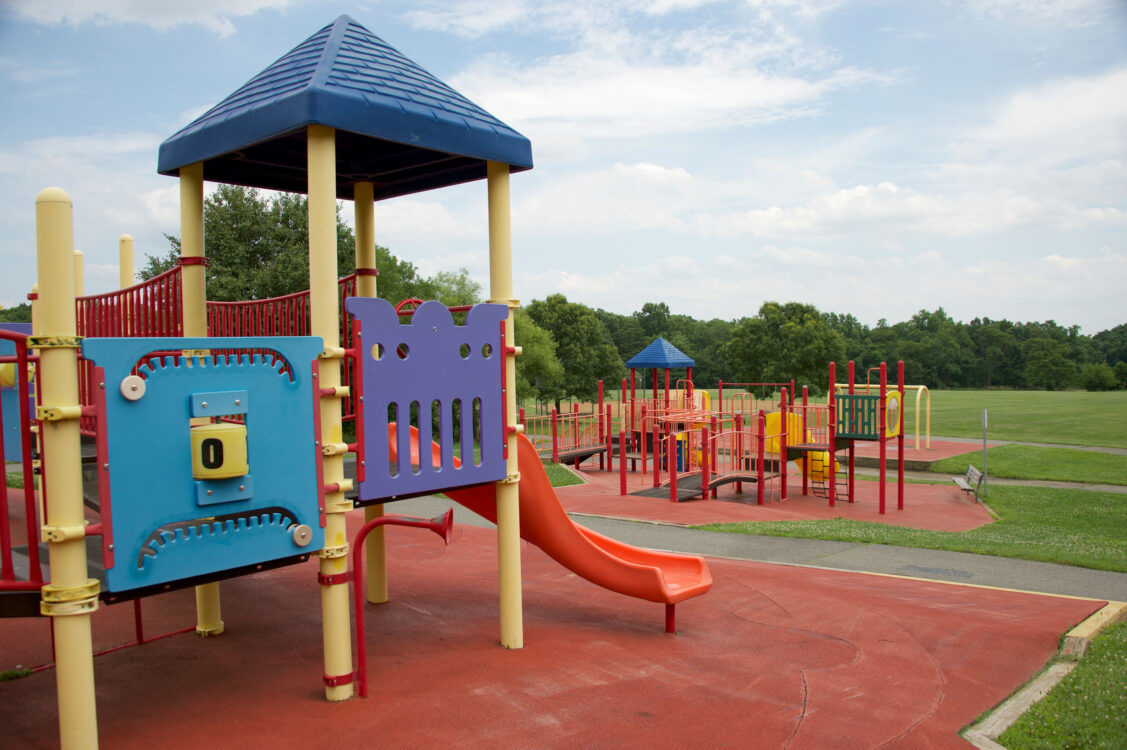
{"x":792,"y":340}
{"x":257,"y":249}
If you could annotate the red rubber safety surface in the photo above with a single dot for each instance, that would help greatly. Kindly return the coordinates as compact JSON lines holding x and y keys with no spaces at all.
{"x":773,"y":656}
{"x":942,"y":507}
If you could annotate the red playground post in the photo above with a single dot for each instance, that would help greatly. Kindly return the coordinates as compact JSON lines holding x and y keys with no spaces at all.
{"x":599,"y":412}
{"x":882,"y":430}
{"x":900,"y":438}
{"x":705,"y":478}
{"x":621,"y":461}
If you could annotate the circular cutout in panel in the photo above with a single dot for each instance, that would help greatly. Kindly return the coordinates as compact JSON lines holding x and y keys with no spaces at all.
{"x":487,"y":350}
{"x":464,"y":351}
{"x":402,"y":351}
{"x":377,"y":352}
{"x":892,"y":414}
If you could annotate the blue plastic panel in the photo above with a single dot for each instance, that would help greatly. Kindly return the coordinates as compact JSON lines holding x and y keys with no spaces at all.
{"x":221,"y":404}
{"x":13,"y":447}
{"x":161,"y":530}
{"x":429,"y":361}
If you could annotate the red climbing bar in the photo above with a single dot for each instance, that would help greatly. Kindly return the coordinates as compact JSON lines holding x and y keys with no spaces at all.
{"x":610,"y":440}
{"x":621,"y":462}
{"x":598,"y":419}
{"x":760,"y":454}
{"x":882,"y":415}
{"x":831,"y":438}
{"x":705,"y":476}
{"x":555,"y":437}
{"x":671,"y":462}
{"x":784,"y":422}
{"x":900,"y":438}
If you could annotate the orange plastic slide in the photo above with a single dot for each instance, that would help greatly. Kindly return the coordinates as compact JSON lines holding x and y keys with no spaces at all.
{"x":661,"y":577}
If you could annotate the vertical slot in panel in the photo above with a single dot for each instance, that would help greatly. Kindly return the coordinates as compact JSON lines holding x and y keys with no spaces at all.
{"x":423,"y":439}
{"x":464,"y":436}
{"x":476,"y":416}
{"x":393,"y":418}
{"x":437,"y":419}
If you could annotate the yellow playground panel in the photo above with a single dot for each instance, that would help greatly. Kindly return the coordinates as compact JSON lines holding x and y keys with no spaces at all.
{"x":818,"y":467}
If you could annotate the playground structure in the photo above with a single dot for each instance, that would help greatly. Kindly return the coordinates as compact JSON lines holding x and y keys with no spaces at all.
{"x":217,"y":428}
{"x":692,"y":450}
{"x":922,"y":394}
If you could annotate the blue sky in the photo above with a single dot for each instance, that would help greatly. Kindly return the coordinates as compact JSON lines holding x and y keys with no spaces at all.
{"x":864,"y":156}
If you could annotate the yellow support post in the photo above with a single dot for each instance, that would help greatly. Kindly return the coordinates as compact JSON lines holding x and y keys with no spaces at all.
{"x":324,"y":322}
{"x":125,"y":261}
{"x":72,"y":596}
{"x":79,"y":274}
{"x":193,"y":280}
{"x":508,"y":499}
{"x":375,"y":549}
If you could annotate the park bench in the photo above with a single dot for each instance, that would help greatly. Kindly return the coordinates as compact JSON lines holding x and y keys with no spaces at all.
{"x":971,"y":483}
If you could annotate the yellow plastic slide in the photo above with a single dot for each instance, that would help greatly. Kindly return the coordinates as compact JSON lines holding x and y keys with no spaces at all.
{"x":819,"y":462}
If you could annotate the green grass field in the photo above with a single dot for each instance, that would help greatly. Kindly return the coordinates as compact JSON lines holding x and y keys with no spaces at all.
{"x":1071,"y":527}
{"x":1067,"y":417}
{"x":1035,"y":462}
{"x":1088,"y":709}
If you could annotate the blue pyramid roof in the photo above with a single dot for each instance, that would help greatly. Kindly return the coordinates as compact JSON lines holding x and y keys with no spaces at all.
{"x":397,"y":125}
{"x":661,"y":354}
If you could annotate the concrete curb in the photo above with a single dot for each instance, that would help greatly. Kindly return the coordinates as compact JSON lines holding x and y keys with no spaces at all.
{"x":984,"y":733}
{"x":1077,"y":640}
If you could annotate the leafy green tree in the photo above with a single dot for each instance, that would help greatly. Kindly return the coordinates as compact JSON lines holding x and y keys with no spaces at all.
{"x":1120,"y":370}
{"x":702,"y":340}
{"x":1047,"y":364}
{"x":626,"y":332}
{"x":539,"y":372}
{"x":258,"y":247}
{"x":1097,"y":376}
{"x":20,"y":313}
{"x":1112,"y":343}
{"x":784,"y":341}
{"x":583,"y":345}
{"x":998,"y":354}
{"x":654,"y":319}
{"x":453,"y":288}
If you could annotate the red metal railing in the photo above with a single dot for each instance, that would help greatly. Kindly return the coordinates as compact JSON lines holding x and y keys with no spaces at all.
{"x":19,"y":517}
{"x":151,"y":308}
{"x":284,"y":316}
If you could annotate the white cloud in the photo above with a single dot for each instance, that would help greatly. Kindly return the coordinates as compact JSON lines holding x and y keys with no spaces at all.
{"x":620,"y":199}
{"x":470,"y":19}
{"x":1052,"y":13}
{"x":625,"y":70}
{"x":1060,"y":121}
{"x":37,"y":74}
{"x":797,"y":256}
{"x":114,"y":189}
{"x":585,"y":94}
{"x":405,"y":216}
{"x":214,"y":15}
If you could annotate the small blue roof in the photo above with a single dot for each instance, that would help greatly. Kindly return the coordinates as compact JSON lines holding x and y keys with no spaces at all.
{"x":397,"y":125}
{"x":660,"y":354}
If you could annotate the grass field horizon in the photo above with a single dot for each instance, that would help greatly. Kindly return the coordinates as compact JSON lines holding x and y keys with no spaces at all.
{"x":1067,"y":417}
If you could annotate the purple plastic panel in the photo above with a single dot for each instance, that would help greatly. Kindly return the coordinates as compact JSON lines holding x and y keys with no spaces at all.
{"x":414,"y":366}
